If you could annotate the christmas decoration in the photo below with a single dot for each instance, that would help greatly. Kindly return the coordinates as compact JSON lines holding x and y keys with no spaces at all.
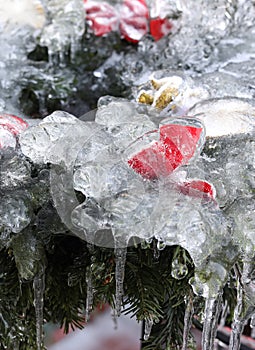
{"x":133,"y":20}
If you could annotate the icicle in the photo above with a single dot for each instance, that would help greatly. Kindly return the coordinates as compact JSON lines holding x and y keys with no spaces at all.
{"x":39,"y":286}
{"x":90,"y":292}
{"x":224,"y":314}
{"x":161,"y":245}
{"x":89,"y":281}
{"x":238,"y":324}
{"x":212,"y":310}
{"x":187,"y":322}
{"x":156,"y":252}
{"x":245,"y":307}
{"x":115,"y":317}
{"x":147,"y":329}
{"x":252,"y":324}
{"x":120,"y":259}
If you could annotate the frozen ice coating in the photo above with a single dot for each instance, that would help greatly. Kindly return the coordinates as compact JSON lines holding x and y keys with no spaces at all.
{"x":229,"y":151}
{"x":15,"y":215}
{"x":44,"y":142}
{"x":65,"y":27}
{"x":223,"y":117}
{"x":15,"y":172}
{"x":199,"y":227}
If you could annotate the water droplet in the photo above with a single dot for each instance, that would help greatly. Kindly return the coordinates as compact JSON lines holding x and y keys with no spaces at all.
{"x":179,"y":270}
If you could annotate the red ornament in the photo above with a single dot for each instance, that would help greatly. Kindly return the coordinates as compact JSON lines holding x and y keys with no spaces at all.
{"x":160,"y":27}
{"x":133,"y":29}
{"x":136,"y":8}
{"x":101,"y":17}
{"x":197,"y":188}
{"x":176,"y":146}
{"x":132,"y":22}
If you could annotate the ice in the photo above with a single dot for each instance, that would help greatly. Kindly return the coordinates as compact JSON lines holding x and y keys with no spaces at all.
{"x":43,"y":143}
{"x":89,"y":282}
{"x":239,"y":321}
{"x":179,"y":270}
{"x":65,"y":28}
{"x":15,"y":215}
{"x":223,"y":117}
{"x":15,"y":171}
{"x":212,"y":311}
{"x":147,"y":328}
{"x":229,"y":125}
{"x":7,"y":139}
{"x":90,"y":293}
{"x":189,"y":311}
{"x":200,"y":228}
{"x":39,"y":287}
{"x":120,"y":261}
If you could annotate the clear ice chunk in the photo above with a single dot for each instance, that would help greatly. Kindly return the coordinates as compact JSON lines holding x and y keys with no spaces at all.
{"x":67,"y":19}
{"x":15,"y":215}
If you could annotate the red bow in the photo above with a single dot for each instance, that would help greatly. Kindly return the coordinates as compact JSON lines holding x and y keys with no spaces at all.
{"x":175,"y":147}
{"x":133,"y":21}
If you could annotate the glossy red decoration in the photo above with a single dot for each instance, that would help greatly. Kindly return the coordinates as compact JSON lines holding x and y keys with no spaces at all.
{"x":131,"y":19}
{"x":196,"y":188}
{"x":101,"y":17}
{"x":160,"y":27}
{"x":176,"y":146}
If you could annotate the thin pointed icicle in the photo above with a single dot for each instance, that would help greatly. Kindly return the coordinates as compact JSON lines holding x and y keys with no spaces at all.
{"x":90,"y":292}
{"x":212,"y":311}
{"x":187,"y":322}
{"x":245,"y":307}
{"x":120,"y":260}
{"x":224,"y":314}
{"x":89,"y":281}
{"x":239,"y":321}
{"x":147,"y":329}
{"x":39,"y":287}
{"x":115,"y":318}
